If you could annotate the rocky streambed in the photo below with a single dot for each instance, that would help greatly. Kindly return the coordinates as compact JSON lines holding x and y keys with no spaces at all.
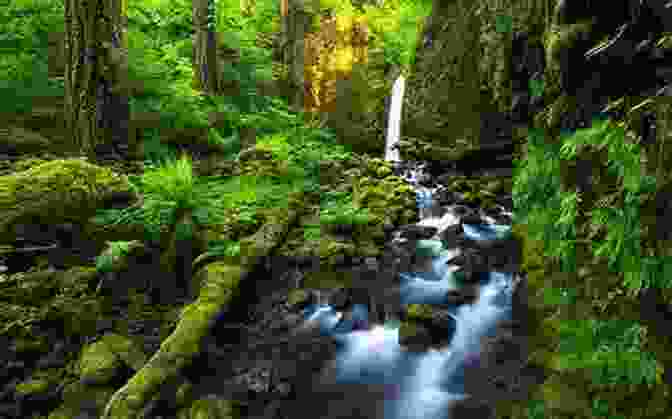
{"x":77,"y":336}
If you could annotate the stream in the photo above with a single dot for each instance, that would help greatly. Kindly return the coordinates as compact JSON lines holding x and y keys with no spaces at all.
{"x":419,"y":384}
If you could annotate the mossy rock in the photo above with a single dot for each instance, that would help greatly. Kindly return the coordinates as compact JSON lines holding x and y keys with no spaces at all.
{"x":494,"y":186}
{"x":328,"y":279}
{"x":32,"y":386}
{"x":429,"y":248}
{"x":184,"y":394}
{"x":56,"y":192}
{"x":211,"y":408}
{"x":419,"y":311}
{"x":564,"y":396}
{"x":32,"y":344}
{"x":75,"y":395}
{"x":99,"y":363}
{"x":329,"y":248}
{"x":297,"y":296}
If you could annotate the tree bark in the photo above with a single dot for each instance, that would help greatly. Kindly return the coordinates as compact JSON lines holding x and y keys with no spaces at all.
{"x":206,"y":74}
{"x":97,"y":107}
{"x":299,"y":19}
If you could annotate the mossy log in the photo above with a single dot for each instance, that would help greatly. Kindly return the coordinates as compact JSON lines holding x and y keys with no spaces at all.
{"x":219,"y":282}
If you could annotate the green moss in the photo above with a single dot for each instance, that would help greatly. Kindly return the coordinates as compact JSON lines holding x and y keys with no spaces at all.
{"x":419,"y":311}
{"x":297,"y":296}
{"x":125,"y":349}
{"x":99,"y":362}
{"x":59,"y":191}
{"x":214,"y":408}
{"x":32,"y":386}
{"x":184,"y":394}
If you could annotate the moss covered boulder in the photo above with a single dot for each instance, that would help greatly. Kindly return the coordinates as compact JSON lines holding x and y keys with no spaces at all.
{"x":100,"y":360}
{"x":211,"y":408}
{"x":59,"y":191}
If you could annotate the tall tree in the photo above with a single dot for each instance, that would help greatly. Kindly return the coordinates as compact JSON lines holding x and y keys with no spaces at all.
{"x":96,"y":104}
{"x":298,"y":23}
{"x":206,"y":74}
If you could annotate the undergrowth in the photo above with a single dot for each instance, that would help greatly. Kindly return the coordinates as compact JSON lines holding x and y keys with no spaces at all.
{"x":610,"y":351}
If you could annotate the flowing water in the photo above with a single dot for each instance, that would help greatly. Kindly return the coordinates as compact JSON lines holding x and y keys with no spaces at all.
{"x":421,"y":385}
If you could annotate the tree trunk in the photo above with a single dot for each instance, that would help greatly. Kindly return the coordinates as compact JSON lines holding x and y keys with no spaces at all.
{"x":206,"y":77}
{"x":298,"y":24}
{"x":97,"y":107}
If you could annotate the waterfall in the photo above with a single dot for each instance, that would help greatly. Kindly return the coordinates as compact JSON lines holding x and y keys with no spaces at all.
{"x":394,"y":120}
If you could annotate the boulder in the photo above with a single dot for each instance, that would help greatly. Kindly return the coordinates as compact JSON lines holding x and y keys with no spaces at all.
{"x":59,"y":191}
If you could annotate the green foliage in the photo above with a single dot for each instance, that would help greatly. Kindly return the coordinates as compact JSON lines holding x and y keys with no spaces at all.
{"x":105,"y":261}
{"x":224,"y":248}
{"x":311,"y":232}
{"x":538,"y":198}
{"x":622,"y":243}
{"x":536,"y":409}
{"x":398,"y":45}
{"x":26,"y":26}
{"x":610,"y":350}
{"x":338,"y":208}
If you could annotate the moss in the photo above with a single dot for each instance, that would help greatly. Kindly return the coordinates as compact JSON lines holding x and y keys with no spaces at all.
{"x":325,"y":279}
{"x":211,"y":408}
{"x":563,"y":395}
{"x":67,"y":190}
{"x":76,"y":394}
{"x":125,"y":349}
{"x":32,"y":344}
{"x":99,"y":362}
{"x":419,"y":311}
{"x":32,"y":386}
{"x":297,"y":296}
{"x":184,"y":394}
{"x":383,"y":171}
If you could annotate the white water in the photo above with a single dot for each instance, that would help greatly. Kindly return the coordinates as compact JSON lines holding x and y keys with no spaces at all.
{"x":394,"y":120}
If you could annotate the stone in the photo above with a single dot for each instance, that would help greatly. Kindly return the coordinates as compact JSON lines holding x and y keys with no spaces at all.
{"x":451,"y":236}
{"x":471,"y":219}
{"x":431,"y":248}
{"x":416,"y":232}
{"x":340,"y":299}
{"x":467,"y":294}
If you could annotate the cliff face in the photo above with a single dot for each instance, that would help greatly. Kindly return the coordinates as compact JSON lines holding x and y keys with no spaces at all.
{"x":465,"y":54}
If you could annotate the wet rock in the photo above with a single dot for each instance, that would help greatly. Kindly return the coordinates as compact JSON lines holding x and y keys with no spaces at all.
{"x":493,"y":211}
{"x":414,"y":337}
{"x":416,"y":232}
{"x":465,"y":275}
{"x":451,"y":236}
{"x":471,"y":218}
{"x":471,"y":408}
{"x":448,"y":197}
{"x":503,"y":219}
{"x":506,"y":201}
{"x":465,"y":295}
{"x":340,"y":299}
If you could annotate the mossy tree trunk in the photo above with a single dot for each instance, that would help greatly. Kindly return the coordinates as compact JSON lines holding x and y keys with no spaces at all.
{"x":206,"y":77}
{"x":97,"y":108}
{"x":219,"y":284}
{"x":298,"y":23}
